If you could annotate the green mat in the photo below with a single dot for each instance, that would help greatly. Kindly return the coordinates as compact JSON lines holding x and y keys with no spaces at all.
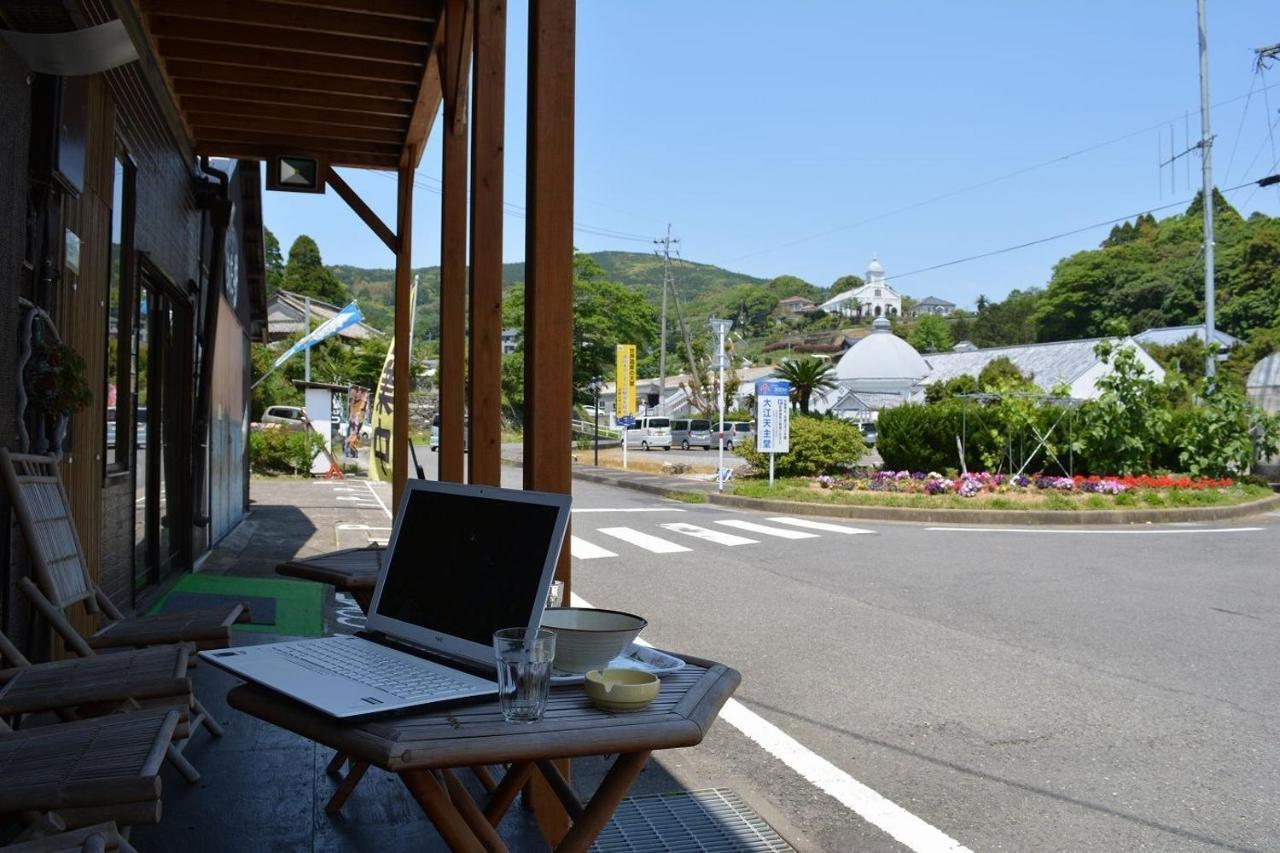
{"x":299,"y":604}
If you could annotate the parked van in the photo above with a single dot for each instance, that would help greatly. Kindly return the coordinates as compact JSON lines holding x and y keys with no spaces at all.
{"x":691,"y":433}
{"x":736,"y":433}
{"x":650,"y":432}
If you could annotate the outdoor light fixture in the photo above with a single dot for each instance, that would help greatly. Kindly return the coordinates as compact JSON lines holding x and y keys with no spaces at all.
{"x":295,"y":174}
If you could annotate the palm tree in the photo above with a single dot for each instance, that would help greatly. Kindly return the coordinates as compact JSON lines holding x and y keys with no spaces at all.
{"x":806,"y":375}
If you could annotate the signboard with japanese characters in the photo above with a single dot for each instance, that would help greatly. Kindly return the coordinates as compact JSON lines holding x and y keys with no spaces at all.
{"x":773,"y":416}
{"x":624,"y":403}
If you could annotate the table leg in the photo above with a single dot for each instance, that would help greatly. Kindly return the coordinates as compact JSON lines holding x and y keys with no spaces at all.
{"x":604,"y":802}
{"x":442,"y":813}
{"x":486,"y":778}
{"x":561,"y":788}
{"x":335,"y":766}
{"x":354,"y":774}
{"x":471,"y":813}
{"x":507,"y":791}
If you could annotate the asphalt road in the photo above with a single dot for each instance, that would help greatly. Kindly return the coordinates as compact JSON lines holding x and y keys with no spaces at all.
{"x":1046,"y":690}
{"x":1026,"y":690}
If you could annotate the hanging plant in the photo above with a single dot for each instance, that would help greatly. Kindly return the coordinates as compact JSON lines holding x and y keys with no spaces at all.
{"x":54,"y":378}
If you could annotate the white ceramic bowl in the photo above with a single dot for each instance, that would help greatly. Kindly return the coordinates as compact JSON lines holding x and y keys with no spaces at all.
{"x":588,"y":639}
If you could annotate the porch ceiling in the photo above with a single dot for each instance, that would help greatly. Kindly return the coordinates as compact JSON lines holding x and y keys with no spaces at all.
{"x":354,"y":83}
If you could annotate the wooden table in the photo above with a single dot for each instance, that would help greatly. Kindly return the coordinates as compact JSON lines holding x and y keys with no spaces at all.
{"x":352,"y":570}
{"x":425,"y":749}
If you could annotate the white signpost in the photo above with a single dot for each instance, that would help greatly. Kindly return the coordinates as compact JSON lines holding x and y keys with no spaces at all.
{"x":773,"y":419}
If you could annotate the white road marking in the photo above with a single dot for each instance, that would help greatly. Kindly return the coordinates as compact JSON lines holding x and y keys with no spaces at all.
{"x":584,"y":550}
{"x":870,"y":805}
{"x":360,"y":499}
{"x":643,"y":540}
{"x":377,"y":498}
{"x":710,"y":535}
{"x":579,"y":510}
{"x":1096,"y":532}
{"x":820,"y":525}
{"x":780,"y":532}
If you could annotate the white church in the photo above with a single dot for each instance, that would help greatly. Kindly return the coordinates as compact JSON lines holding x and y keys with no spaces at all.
{"x":873,"y":299}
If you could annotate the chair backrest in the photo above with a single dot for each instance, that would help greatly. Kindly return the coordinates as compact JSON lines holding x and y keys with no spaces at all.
{"x":40,"y":503}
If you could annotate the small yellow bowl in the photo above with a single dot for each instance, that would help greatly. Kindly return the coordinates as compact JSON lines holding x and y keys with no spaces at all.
{"x":620,"y":689}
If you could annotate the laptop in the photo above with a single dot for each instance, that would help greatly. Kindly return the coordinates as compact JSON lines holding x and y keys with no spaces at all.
{"x":462,"y":562}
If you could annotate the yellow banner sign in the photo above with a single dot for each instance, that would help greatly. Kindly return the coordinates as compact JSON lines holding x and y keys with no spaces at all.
{"x":382,"y":408}
{"x":624,"y":403}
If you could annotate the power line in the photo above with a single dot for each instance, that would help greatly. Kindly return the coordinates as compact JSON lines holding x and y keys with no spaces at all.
{"x":1060,"y":236}
{"x":970,"y":187}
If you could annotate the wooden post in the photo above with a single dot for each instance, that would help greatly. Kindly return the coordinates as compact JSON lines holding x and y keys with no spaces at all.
{"x":548,"y":321}
{"x":485,"y":388}
{"x":454,"y":71}
{"x":403,"y":374}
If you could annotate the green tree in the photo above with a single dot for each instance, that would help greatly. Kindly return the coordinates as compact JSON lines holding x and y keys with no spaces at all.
{"x":307,"y":275}
{"x":846,"y":282}
{"x":274,"y":262}
{"x":930,"y":334}
{"x":807,"y":377}
{"x":1001,"y":374}
{"x":1130,"y":421}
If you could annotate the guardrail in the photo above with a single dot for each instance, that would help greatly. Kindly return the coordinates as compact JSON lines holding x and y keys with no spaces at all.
{"x":588,"y":428}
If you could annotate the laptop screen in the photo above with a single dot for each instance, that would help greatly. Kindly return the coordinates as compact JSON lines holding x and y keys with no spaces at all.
{"x":466,"y":561}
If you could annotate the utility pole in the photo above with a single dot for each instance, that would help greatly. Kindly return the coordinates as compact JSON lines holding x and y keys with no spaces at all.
{"x":1206,"y":145}
{"x":666,"y":243}
{"x":306,"y":330}
{"x":720,"y":327}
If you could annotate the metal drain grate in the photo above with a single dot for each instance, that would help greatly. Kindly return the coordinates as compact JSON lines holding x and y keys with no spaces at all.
{"x":711,"y":821}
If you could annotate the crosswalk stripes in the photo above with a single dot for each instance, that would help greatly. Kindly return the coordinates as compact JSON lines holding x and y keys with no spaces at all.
{"x":655,"y":544}
{"x":584,"y":550}
{"x":716,"y":536}
{"x":819,"y":525}
{"x":753,"y":527}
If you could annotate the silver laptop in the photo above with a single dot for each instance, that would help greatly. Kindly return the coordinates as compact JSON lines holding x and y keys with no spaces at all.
{"x":462,"y":562}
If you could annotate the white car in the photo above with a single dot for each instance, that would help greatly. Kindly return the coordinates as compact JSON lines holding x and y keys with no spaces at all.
{"x":366,"y":431}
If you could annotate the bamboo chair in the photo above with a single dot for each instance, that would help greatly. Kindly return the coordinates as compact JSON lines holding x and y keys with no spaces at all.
{"x":40,"y":503}
{"x":99,"y":838}
{"x":89,"y":687}
{"x":86,"y":772}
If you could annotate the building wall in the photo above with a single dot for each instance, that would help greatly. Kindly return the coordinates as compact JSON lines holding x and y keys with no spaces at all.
{"x":15,"y":131}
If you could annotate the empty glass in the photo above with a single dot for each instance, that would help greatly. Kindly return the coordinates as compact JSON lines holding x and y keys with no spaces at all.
{"x":524,"y":671}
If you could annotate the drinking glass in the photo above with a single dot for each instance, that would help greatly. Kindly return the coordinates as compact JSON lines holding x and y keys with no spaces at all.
{"x":555,"y":595}
{"x":524,"y":658}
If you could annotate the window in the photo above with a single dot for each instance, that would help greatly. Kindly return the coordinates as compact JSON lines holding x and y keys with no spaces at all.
{"x":117,"y":418}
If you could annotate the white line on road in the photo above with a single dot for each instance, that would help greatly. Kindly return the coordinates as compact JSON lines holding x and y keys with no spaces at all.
{"x":710,"y":535}
{"x":644,"y":540}
{"x":626,"y":509}
{"x":377,"y":498}
{"x":820,"y":525}
{"x":1145,"y":531}
{"x":584,"y":550}
{"x":361,"y":499}
{"x":780,"y":532}
{"x":867,"y":803}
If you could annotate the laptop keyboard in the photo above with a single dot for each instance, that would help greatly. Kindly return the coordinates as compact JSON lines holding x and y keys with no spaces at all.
{"x":372,"y":667}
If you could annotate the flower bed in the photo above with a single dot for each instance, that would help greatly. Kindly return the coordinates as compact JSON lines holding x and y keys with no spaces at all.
{"x":970,"y":485}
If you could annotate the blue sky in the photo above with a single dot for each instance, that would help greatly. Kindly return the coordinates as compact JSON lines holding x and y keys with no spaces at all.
{"x":787,"y":138}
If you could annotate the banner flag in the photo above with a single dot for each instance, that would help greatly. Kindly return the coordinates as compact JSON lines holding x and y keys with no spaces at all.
{"x":382,"y":407}
{"x":624,"y":398}
{"x":345,"y":318}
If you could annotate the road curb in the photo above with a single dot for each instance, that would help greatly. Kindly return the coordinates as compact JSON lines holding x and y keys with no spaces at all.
{"x":653,"y":484}
{"x":1002,"y":516}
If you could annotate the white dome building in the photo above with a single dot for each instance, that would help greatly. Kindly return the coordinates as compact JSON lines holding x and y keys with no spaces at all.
{"x":1263,"y":389}
{"x":878,"y":372}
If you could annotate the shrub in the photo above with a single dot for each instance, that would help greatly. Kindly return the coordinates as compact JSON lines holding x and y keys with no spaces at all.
{"x":916,"y":437}
{"x":281,"y":451}
{"x":818,"y":446}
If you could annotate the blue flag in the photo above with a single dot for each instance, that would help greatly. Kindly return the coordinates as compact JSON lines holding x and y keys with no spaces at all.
{"x":345,"y":318}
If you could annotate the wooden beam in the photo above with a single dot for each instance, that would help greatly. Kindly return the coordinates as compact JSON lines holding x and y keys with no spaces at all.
{"x":402,"y":375}
{"x":348,"y":108}
{"x":453,"y":57}
{"x":297,"y":143}
{"x":202,"y":122}
{"x":191,"y":76}
{"x":320,"y":44}
{"x":155,"y":73}
{"x":258,"y":151}
{"x":254,"y":12}
{"x":292,"y":111}
{"x":413,"y":9}
{"x":487,"y":130}
{"x":274,"y":60}
{"x":366,"y":214}
{"x":548,"y":324}
{"x":430,"y":94}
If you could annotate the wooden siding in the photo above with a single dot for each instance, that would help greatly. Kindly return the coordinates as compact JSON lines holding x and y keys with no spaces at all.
{"x":81,"y":318}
